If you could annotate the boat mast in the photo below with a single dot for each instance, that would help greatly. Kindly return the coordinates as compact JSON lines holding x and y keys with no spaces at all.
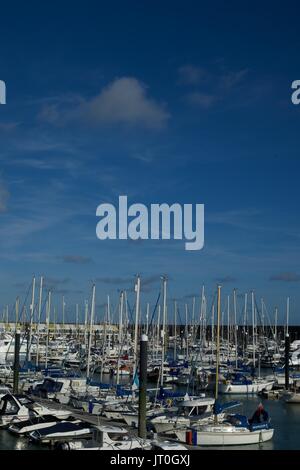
{"x":245,"y":322}
{"x":193,"y":317}
{"x":137,"y":311}
{"x":163,"y":333}
{"x":253,"y":328}
{"x":228,"y":327}
{"x":17,"y":312}
{"x":109,"y":326}
{"x":212,"y":329}
{"x":31,"y":319}
{"x":38,"y":322}
{"x":126,"y":319}
{"x":147,"y":318}
{"x":120,"y":339}
{"x":85,"y":324}
{"x":77,"y":318}
{"x":235,"y":328}
{"x":218,"y":348}
{"x":186,"y":334}
{"x":158,"y":332}
{"x":175,"y":329}
{"x":90,"y":332}
{"x":63,"y":313}
{"x":48,"y":308}
{"x":287,"y":315}
{"x":263,"y":316}
{"x":275,"y":320}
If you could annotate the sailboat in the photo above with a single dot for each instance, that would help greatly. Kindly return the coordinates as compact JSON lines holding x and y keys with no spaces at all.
{"x":237,"y":383}
{"x":233,"y":429}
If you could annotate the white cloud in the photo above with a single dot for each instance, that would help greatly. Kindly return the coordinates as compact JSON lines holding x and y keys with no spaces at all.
{"x":123,"y":101}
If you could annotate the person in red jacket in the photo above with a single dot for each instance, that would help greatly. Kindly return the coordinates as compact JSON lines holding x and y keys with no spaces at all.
{"x":260,"y":415}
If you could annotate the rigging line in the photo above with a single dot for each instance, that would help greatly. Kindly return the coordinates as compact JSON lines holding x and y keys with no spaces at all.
{"x":154,"y":311}
{"x":130,"y":312}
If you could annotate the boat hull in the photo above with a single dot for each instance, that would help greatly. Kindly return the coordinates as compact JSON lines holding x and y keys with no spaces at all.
{"x":225,"y":438}
{"x":244,"y":389}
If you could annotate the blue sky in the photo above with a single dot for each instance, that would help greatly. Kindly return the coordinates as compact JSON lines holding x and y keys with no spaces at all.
{"x":164,"y":102}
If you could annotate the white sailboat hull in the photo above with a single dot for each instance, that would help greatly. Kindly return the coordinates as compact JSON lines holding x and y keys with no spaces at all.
{"x":170,"y":425}
{"x":228,"y":438}
{"x":245,"y":389}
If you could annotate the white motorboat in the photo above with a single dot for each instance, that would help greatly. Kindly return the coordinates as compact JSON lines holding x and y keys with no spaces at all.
{"x":7,"y":346}
{"x":108,"y":438}
{"x":22,"y":408}
{"x":60,"y":389}
{"x":21,"y":428}
{"x":63,"y":430}
{"x":190,"y":410}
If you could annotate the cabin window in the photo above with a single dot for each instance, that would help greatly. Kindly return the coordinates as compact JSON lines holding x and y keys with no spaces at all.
{"x":117,"y":437}
{"x":9,"y":407}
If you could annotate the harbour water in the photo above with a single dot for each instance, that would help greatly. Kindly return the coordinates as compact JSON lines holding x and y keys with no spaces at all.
{"x":285,"y":419}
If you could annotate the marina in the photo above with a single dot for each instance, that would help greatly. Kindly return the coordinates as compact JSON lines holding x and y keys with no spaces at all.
{"x":120,"y":384}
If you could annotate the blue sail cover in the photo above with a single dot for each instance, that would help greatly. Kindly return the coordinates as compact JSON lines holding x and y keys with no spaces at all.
{"x":167,"y":394}
{"x":102,"y":386}
{"x":221,"y":407}
{"x":122,"y":392}
{"x":28,"y":365}
{"x":238,"y":379}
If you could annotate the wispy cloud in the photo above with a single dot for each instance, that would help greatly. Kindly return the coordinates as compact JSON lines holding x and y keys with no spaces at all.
{"x":202,"y":100}
{"x":4,"y":194}
{"x":115,"y":281}
{"x":240,"y":218}
{"x":231,"y":79}
{"x":191,"y":74}
{"x":33,"y":214}
{"x":286,"y":277}
{"x":8,"y":126}
{"x":225,"y":279}
{"x":75,"y":259}
{"x":210,"y":85}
